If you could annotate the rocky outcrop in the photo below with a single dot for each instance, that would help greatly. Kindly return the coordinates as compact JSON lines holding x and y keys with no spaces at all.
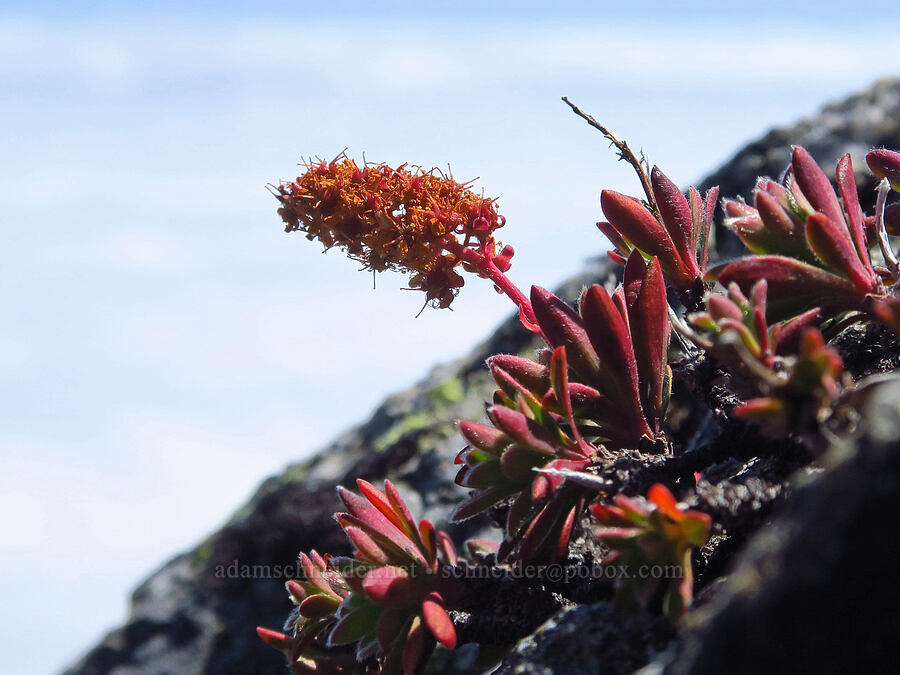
{"x":817,"y":589}
{"x":197,"y":614}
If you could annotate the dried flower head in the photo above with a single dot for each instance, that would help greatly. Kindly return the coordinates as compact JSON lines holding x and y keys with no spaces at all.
{"x":409,"y":220}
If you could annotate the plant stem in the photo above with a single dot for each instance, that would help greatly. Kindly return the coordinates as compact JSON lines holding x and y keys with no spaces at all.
{"x":485,"y":266}
{"x":889,"y":258}
{"x":624,"y":153}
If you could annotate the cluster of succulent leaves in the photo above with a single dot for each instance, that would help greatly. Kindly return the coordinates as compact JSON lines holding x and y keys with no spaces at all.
{"x":604,"y":384}
{"x":599,"y":388}
{"x":643,"y":537}
{"x":389,"y":599}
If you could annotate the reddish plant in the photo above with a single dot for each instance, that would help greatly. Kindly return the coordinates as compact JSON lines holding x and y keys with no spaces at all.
{"x":389,"y":599}
{"x":616,"y":348}
{"x":660,"y":535}
{"x":672,"y":228}
{"x":810,"y":245}
{"x":533,"y":427}
{"x":736,"y":325}
{"x":618,"y":345}
{"x":803,"y":393}
{"x":415,"y":221}
{"x":885,"y":164}
{"x":601,"y":387}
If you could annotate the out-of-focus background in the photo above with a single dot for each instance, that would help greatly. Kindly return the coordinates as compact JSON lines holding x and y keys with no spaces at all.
{"x":165,"y":346}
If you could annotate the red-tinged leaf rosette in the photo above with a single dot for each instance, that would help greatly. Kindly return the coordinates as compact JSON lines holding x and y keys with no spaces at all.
{"x":390,"y":599}
{"x":678,"y":236}
{"x":660,"y":534}
{"x":810,"y":241}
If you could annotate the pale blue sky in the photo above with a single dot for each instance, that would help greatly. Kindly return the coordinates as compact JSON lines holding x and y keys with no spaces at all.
{"x":166,"y":346}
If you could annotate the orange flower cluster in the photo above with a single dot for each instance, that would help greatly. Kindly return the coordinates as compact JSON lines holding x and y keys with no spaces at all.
{"x":406,"y":220}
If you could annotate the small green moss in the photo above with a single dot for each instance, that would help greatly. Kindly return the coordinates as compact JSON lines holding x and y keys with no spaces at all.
{"x":408,"y":424}
{"x":450,"y":391}
{"x":293,"y":473}
{"x":202,"y":554}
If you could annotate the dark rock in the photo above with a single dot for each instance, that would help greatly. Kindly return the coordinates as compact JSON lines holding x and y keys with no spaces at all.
{"x":589,"y":639}
{"x":817,"y":589}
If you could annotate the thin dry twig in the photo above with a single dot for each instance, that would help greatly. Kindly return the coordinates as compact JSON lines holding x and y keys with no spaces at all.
{"x":625,"y":153}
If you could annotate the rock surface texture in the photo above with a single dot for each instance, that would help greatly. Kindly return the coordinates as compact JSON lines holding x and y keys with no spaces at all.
{"x":813,"y":591}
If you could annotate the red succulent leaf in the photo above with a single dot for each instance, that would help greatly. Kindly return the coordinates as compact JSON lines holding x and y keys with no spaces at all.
{"x":849,"y":193}
{"x":832,"y":244}
{"x":665,"y":501}
{"x":606,"y":514}
{"x":312,"y":568}
{"x":530,"y":374}
{"x":777,"y":220}
{"x":395,"y":544}
{"x":760,"y":326}
{"x":632,"y":278}
{"x":563,"y":327}
{"x":414,"y":647}
{"x":676,"y":216}
{"x":513,"y":389}
{"x":366,"y":548}
{"x":296,"y":591}
{"x":610,"y":534}
{"x":788,"y":333}
{"x":521,"y":429}
{"x":650,"y":323}
{"x":540,"y":530}
{"x":619,"y":243}
{"x":630,"y":510}
{"x":484,"y":436}
{"x":816,"y":187}
{"x":438,"y":620}
{"x":712,"y":196}
{"x":394,"y":511}
{"x":275,"y":639}
{"x":520,"y":511}
{"x":446,"y":547}
{"x":391,"y":586}
{"x":319,"y":606}
{"x":565,"y":532}
{"x":885,"y":164}
{"x":608,"y":333}
{"x":736,"y":208}
{"x":794,"y":286}
{"x":399,"y":507}
{"x":586,"y":401}
{"x":559,"y":379}
{"x":428,"y":537}
{"x":639,"y":226}
{"x":720,"y":307}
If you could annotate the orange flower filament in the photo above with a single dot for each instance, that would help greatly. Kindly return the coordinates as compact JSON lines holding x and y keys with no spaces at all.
{"x":415,"y":221}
